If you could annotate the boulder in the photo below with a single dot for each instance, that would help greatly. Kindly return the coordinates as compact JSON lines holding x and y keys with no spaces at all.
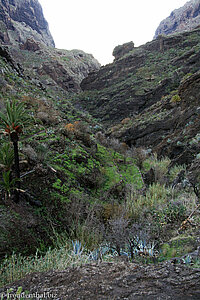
{"x":121,"y":50}
{"x":30,"y":45}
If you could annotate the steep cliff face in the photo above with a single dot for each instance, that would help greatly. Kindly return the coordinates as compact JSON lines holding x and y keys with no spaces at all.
{"x":26,"y":43}
{"x":139,"y":94}
{"x":22,"y":19}
{"x":182,"y":19}
{"x":139,"y":78}
{"x":171,"y":126}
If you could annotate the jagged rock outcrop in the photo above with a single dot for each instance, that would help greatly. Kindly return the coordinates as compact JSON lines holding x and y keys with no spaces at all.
{"x":117,"y":280}
{"x":121,"y":50}
{"x":182,"y":19}
{"x":4,"y":53}
{"x":27,"y":44}
{"x":30,"y":45}
{"x":50,"y":67}
{"x":21,"y":20}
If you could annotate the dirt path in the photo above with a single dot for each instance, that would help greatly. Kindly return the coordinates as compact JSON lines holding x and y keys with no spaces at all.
{"x":118,"y":280}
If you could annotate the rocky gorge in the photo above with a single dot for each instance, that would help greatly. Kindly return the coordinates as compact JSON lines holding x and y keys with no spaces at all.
{"x":109,"y":164}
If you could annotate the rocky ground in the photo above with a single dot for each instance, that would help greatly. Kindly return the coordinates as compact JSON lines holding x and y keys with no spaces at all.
{"x":116,"y":280}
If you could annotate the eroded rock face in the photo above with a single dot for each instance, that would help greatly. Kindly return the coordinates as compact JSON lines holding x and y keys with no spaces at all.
{"x":116,"y":281}
{"x":58,"y":69}
{"x":121,"y":50}
{"x":141,"y":85}
{"x":140,"y":77}
{"x":27,"y":44}
{"x":30,"y":45}
{"x":182,"y":19}
{"x":170,"y":129}
{"x":22,"y":19}
{"x":5,"y":54}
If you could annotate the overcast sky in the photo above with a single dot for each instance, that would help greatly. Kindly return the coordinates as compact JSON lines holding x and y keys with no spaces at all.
{"x":97,"y":26}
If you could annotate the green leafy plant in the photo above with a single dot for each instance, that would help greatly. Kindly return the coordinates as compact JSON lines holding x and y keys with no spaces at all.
{"x":6,"y":156}
{"x":171,"y":213}
{"x":15,"y":117}
{"x":176,"y":99}
{"x":8,"y":184}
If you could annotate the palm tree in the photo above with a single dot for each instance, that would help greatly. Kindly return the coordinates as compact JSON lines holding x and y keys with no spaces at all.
{"x":12,"y":123}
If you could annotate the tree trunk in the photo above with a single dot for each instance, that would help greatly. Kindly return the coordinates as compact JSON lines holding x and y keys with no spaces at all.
{"x":14,"y":139}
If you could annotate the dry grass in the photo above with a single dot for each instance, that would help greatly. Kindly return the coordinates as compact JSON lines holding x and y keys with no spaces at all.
{"x":16,"y":267}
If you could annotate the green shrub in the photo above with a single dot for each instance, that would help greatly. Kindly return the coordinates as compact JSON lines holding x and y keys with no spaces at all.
{"x":155,"y":198}
{"x":175,"y":99}
{"x":174,"y":171}
{"x":177,"y":247}
{"x":8,"y":184}
{"x":170,"y":213}
{"x":159,"y":166}
{"x":156,"y":195}
{"x":175,"y":212}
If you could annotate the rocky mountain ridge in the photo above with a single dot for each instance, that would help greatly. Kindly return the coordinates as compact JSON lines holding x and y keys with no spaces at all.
{"x":181,"y":19}
{"x":62,"y":70}
{"x":27,"y":42}
{"x":22,"y":19}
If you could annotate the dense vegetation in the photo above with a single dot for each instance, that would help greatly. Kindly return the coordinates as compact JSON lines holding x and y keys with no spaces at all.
{"x":94,"y":192}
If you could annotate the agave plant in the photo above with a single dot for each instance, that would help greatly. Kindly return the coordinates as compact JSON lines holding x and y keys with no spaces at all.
{"x":99,"y":253}
{"x":12,"y":123}
{"x":77,"y":248}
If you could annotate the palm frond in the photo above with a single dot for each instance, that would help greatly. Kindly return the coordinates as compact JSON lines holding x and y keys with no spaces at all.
{"x":3,"y":118}
{"x":15,"y":115}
